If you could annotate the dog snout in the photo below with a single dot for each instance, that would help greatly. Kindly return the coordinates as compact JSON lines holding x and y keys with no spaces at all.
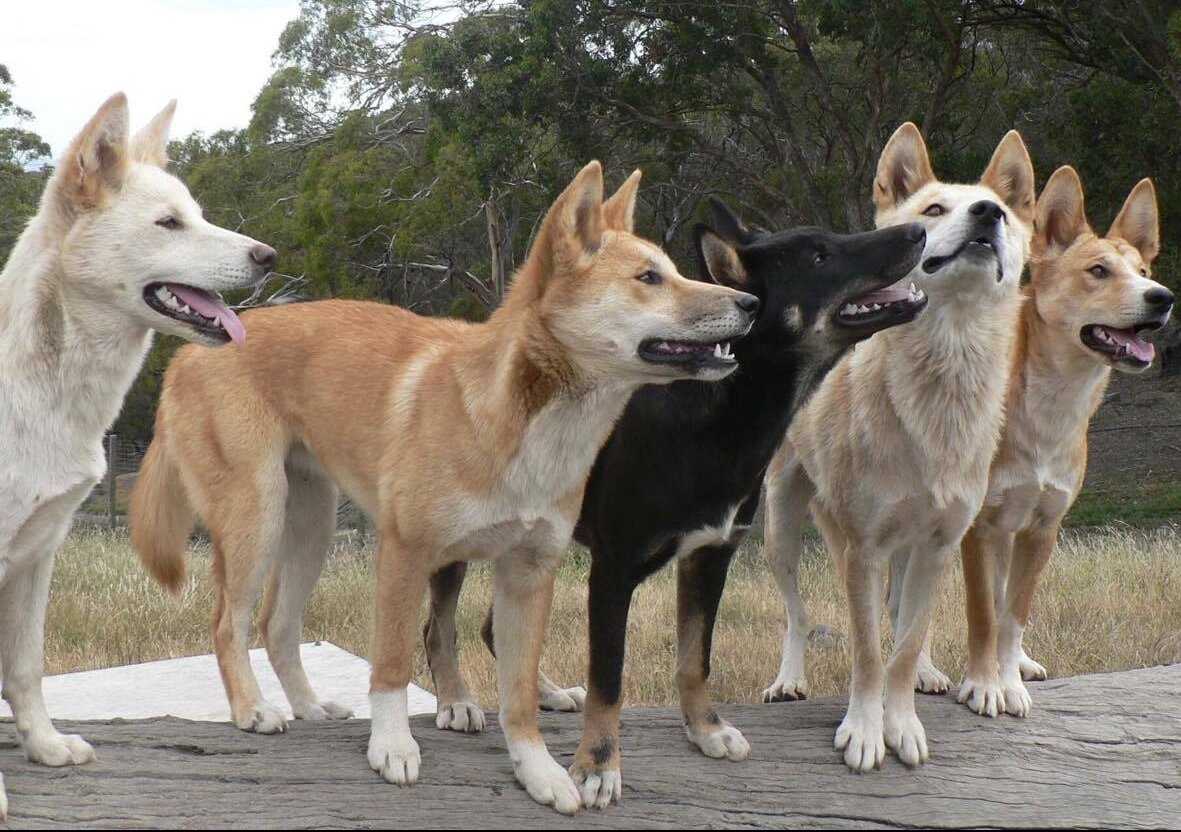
{"x":1159,"y":298}
{"x":916,"y":234}
{"x":263,"y":255}
{"x":748,"y":304}
{"x":986,"y":212}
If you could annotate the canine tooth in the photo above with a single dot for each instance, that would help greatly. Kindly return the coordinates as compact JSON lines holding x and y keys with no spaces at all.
{"x":162,"y":293}
{"x":848,"y":309}
{"x":171,"y":302}
{"x":717,"y":350}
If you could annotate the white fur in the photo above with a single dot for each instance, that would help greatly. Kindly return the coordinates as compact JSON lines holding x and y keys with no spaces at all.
{"x":718,"y":535}
{"x":393,"y":752}
{"x":74,"y":329}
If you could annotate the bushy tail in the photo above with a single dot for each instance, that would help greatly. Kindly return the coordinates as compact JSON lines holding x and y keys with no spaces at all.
{"x":161,"y":517}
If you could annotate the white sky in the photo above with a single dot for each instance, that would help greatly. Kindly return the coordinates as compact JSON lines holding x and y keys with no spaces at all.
{"x":67,"y":56}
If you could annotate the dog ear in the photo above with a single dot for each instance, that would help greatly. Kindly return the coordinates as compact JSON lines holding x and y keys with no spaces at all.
{"x":729,"y":226}
{"x":150,"y":144}
{"x":903,"y":167}
{"x":619,"y":212}
{"x":718,"y":259}
{"x":1061,"y":216}
{"x":95,"y":164}
{"x":1010,"y":174}
{"x":577,"y":214}
{"x":1138,"y":222}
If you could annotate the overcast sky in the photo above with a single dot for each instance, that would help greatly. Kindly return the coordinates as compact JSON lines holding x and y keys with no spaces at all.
{"x":67,"y":56}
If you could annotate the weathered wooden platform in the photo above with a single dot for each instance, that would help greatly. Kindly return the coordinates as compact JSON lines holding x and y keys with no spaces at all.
{"x":1098,"y":751}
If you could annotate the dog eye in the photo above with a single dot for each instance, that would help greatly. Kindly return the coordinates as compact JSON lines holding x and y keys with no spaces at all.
{"x":1099,"y":271}
{"x":934,"y":210}
{"x":1144,"y":272}
{"x":169,"y":222}
{"x":819,"y":258}
{"x":650,"y":277}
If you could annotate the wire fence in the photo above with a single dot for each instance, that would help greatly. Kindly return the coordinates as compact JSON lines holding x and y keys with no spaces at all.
{"x":108,"y":502}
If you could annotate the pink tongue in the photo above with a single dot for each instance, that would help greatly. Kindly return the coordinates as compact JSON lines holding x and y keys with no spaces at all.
{"x":890,"y":294}
{"x":209,"y":306}
{"x":1139,"y":348}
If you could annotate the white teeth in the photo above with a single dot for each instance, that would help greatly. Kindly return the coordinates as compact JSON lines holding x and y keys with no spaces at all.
{"x":849,"y":309}
{"x":162,"y":293}
{"x":717,"y":350}
{"x":876,"y":307}
{"x":171,"y":302}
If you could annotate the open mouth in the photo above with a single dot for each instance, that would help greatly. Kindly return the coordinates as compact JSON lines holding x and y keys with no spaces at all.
{"x":694,"y":354}
{"x":199,"y":309}
{"x":1121,"y":346}
{"x":979,"y":245}
{"x":883,"y":308}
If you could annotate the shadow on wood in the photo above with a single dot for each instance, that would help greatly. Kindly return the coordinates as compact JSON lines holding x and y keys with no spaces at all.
{"x":1098,"y":751}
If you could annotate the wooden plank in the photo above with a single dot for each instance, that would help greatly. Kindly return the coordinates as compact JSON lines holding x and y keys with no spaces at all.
{"x":1098,"y":751}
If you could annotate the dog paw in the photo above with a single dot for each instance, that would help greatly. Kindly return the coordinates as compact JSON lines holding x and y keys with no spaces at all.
{"x":786,"y":690}
{"x":568,"y":700}
{"x":598,"y":787}
{"x":722,"y":741}
{"x":264,"y":719}
{"x":59,"y":750}
{"x":860,"y":736}
{"x":1017,"y":699}
{"x":928,"y":678}
{"x":395,"y":757}
{"x":321,"y":711}
{"x":546,"y":781}
{"x":464,"y":717}
{"x":1031,"y":671}
{"x":984,"y":696}
{"x":905,"y":736}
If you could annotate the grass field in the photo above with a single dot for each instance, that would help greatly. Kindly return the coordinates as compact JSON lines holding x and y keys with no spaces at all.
{"x":1109,"y":602}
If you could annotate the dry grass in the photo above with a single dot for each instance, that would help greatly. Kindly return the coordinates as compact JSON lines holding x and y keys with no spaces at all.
{"x":1108,"y":602}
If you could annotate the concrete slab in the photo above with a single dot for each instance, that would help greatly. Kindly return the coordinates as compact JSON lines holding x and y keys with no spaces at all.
{"x":190,"y":688}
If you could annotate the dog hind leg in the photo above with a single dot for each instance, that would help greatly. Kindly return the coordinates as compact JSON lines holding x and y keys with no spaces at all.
{"x":927,"y":678}
{"x":788,"y":493}
{"x":550,"y":695}
{"x":307,"y":535}
{"x":457,"y":708}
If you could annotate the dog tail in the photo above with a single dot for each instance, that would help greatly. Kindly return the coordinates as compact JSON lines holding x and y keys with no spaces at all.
{"x":161,"y":517}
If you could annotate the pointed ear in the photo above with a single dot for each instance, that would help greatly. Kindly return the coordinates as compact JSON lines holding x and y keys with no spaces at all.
{"x":903,"y":168}
{"x":95,"y":163}
{"x":1010,"y":174}
{"x":150,"y":144}
{"x":577,"y":214}
{"x":718,"y":259}
{"x":1061,"y":215}
{"x":1138,"y":222}
{"x":619,"y":212}
{"x":729,"y":226}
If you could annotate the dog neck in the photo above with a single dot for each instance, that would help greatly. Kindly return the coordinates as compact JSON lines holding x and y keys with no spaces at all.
{"x":56,"y":342}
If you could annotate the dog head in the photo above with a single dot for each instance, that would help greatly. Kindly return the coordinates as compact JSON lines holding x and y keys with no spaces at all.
{"x":977,"y":235}
{"x":134,"y":242}
{"x":1097,"y":290}
{"x":616,"y":302}
{"x":817,"y":289}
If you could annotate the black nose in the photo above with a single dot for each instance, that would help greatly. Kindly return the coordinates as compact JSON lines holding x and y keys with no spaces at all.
{"x":747,"y":303}
{"x":264,"y":255}
{"x":986,"y":211}
{"x":916,"y":233}
{"x":1160,"y":297}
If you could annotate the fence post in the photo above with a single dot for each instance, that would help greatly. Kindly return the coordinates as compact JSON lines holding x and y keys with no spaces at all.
{"x":112,"y":447}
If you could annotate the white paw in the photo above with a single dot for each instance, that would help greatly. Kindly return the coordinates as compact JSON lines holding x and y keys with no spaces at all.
{"x":860,"y":735}
{"x":1017,"y":699}
{"x":3,"y":801}
{"x":464,"y":717}
{"x":321,"y":711}
{"x":599,"y":788}
{"x":558,"y":699}
{"x":59,"y":750}
{"x":786,"y":690}
{"x":905,"y":736}
{"x":724,"y":742}
{"x":395,"y":757}
{"x":264,"y":719}
{"x":928,"y":678}
{"x":984,"y":696}
{"x":1031,"y":671}
{"x":546,"y":781}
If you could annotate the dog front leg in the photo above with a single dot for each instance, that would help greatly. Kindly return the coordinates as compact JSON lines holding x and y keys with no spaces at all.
{"x":402,"y":578}
{"x":701,"y":577}
{"x":457,"y":708}
{"x":523,"y":591}
{"x":788,"y":493}
{"x":928,"y":678}
{"x":1031,"y":553}
{"x":981,"y":690}
{"x":23,"y":599}
{"x":860,"y":734}
{"x":596,"y":767}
